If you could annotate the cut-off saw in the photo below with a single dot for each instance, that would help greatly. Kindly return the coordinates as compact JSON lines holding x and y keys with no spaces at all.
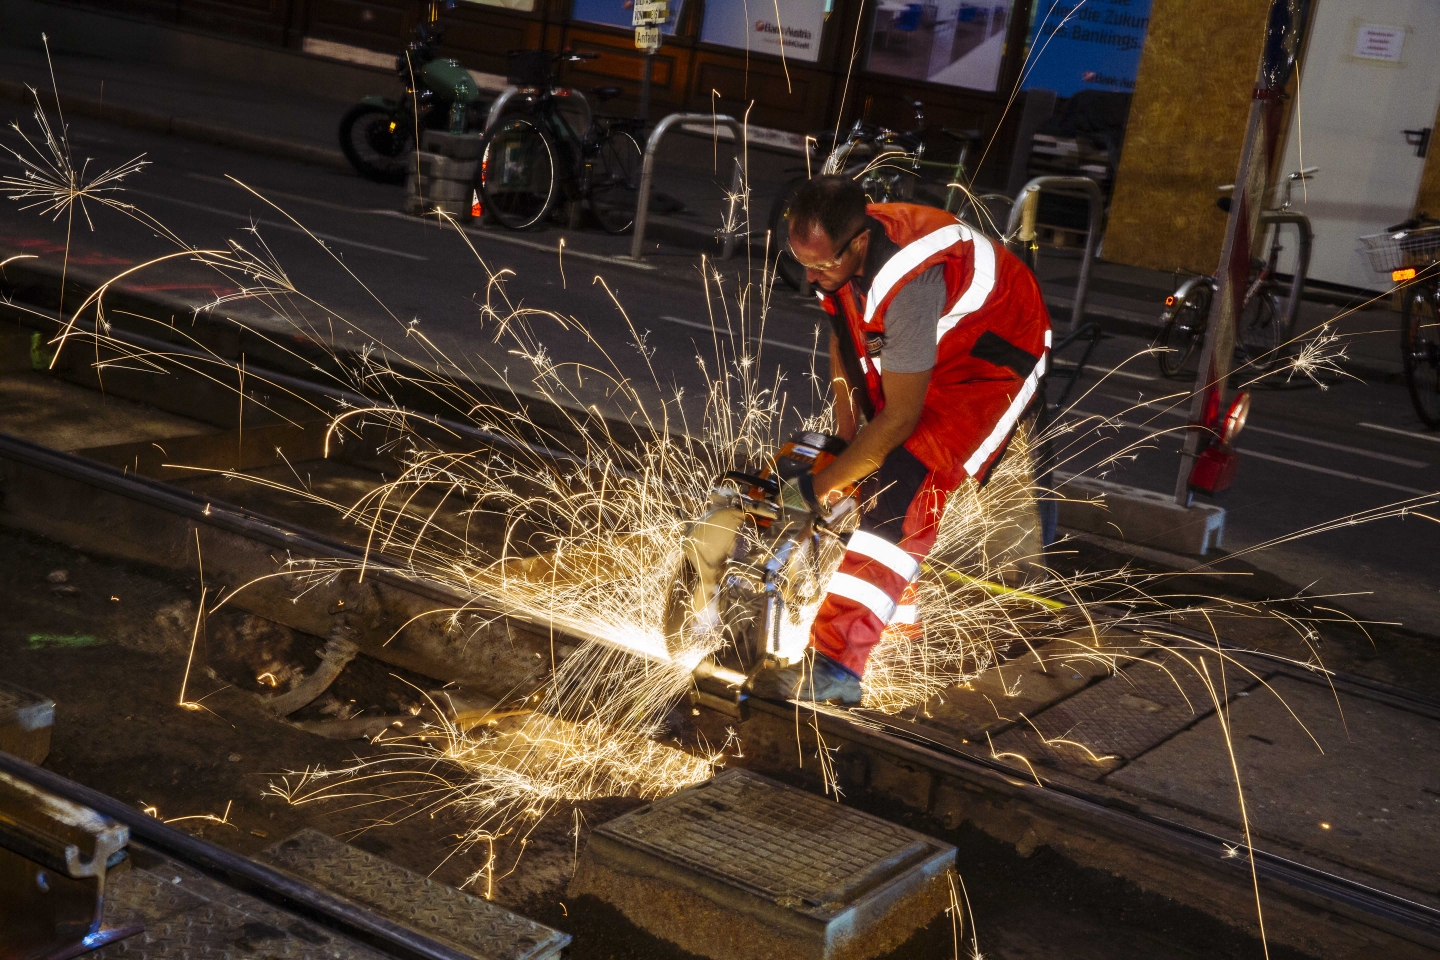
{"x":753,"y":571}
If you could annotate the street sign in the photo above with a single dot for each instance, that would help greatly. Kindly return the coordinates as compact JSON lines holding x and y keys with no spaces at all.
{"x":649,"y":12}
{"x":647,"y":38}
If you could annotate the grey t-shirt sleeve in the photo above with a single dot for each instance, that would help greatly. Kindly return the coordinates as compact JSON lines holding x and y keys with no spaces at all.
{"x":910,"y":323}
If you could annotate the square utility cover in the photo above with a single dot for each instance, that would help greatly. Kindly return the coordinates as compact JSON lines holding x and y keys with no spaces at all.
{"x":742,"y":866}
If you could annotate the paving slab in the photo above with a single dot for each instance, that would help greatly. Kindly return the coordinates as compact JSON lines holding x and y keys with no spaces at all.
{"x":1100,"y":728}
{"x":743,"y":867}
{"x":1364,"y":792}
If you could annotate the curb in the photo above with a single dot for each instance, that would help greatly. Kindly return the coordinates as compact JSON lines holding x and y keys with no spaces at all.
{"x":153,"y":121}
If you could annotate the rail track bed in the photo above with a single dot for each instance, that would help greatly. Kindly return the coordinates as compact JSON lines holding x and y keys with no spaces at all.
{"x":1125,"y":771}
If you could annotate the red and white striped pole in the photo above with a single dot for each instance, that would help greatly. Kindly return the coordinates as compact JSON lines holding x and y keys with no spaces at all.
{"x":1282,"y":43}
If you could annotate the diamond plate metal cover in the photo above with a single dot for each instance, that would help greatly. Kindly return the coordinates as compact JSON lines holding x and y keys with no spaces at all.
{"x":437,"y":910}
{"x":789,"y":847}
{"x":187,"y":916}
{"x":1145,"y":703}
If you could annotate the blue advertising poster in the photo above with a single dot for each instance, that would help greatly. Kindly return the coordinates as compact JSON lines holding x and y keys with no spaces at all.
{"x":619,"y":13}
{"x":1086,"y":45}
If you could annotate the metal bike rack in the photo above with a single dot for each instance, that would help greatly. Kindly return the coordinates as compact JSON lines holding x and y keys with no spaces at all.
{"x":1306,"y":236}
{"x":647,"y":173}
{"x":1022,"y":228}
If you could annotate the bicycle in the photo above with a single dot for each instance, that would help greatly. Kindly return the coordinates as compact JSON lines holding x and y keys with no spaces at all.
{"x":533,"y":159}
{"x":1408,"y":253}
{"x":1261,"y":329}
{"x":889,"y":165}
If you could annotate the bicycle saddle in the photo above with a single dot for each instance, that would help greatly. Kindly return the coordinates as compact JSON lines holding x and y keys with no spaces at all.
{"x":606,"y":93}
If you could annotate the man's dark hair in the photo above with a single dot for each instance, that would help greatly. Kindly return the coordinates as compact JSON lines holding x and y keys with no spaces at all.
{"x":836,"y":204}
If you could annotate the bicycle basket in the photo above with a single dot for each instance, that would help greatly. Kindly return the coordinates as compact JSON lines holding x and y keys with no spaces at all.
{"x":1406,"y":248}
{"x":530,"y":68}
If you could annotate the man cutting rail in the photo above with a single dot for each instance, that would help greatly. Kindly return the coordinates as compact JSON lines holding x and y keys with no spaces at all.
{"x":940,"y":339}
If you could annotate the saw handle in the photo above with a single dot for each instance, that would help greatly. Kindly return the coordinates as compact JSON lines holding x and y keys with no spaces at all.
{"x":770,"y":485}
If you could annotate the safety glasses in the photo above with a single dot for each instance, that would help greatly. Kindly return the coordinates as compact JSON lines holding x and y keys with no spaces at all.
{"x":832,"y":263}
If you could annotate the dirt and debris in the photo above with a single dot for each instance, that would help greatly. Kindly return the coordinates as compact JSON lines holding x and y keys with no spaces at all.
{"x":115,"y":668}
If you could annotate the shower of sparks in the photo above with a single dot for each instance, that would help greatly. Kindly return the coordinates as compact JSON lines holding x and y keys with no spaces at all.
{"x":571,"y":520}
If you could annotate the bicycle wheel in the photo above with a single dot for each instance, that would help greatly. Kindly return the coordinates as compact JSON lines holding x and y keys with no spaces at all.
{"x":516,"y":176}
{"x":786,"y":266}
{"x":615,"y":182}
{"x":1258,"y":333}
{"x":376,"y":143}
{"x":1184,"y":330}
{"x":1420,"y":351}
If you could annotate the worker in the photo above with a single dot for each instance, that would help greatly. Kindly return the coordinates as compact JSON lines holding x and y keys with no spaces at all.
{"x":940,"y":340}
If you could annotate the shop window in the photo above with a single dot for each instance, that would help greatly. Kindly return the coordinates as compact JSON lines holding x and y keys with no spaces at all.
{"x":619,"y":13}
{"x":790,"y":28}
{"x":1082,"y":45}
{"x":951,"y":42}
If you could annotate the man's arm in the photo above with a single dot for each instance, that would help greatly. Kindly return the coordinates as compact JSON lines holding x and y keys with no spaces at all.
{"x":846,"y":421}
{"x":892,"y":426}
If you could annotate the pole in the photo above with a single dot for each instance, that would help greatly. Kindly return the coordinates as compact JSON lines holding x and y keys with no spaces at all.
{"x":647,"y":73}
{"x":1282,"y":42}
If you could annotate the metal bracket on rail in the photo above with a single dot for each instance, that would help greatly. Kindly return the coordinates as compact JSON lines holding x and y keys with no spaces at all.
{"x":1022,"y":228}
{"x":647,"y":172}
{"x":54,"y":855}
{"x":1306,"y":236}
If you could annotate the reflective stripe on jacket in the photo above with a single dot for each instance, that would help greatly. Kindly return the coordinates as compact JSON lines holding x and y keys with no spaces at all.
{"x":993,"y":340}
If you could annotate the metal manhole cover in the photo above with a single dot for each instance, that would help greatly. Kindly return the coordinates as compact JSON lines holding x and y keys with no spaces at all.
{"x":759,"y":869}
{"x":774,"y":841}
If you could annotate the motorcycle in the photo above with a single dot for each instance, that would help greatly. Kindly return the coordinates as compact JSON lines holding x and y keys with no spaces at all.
{"x":378,"y":133}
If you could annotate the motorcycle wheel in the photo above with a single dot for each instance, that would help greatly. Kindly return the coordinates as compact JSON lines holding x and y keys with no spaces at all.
{"x":516,"y":175}
{"x":1184,"y":331}
{"x":376,"y":142}
{"x":786,"y":266}
{"x":615,"y":182}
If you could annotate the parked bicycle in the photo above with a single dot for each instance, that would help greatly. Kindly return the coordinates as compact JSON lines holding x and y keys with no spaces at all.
{"x":1409,"y":254}
{"x":890,"y":167}
{"x":533,"y":160}
{"x":378,"y":133}
{"x":1262,"y":328}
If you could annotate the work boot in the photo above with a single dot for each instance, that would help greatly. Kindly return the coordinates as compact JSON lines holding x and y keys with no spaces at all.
{"x":815,"y":678}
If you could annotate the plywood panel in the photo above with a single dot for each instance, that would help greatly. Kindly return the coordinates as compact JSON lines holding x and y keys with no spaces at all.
{"x":1187,"y":121}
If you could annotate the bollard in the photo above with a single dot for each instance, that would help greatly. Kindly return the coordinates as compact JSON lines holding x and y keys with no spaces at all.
{"x":647,"y":174}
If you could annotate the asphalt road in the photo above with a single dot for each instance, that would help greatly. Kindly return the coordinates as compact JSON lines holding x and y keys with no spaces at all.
{"x":1312,"y":457}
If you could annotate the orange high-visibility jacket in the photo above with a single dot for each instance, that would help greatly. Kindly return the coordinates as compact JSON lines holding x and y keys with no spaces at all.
{"x":993,"y":340}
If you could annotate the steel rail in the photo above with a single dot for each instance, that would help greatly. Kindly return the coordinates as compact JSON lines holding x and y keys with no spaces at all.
{"x":265,"y":883}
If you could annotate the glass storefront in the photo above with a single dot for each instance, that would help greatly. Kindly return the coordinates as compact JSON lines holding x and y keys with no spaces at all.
{"x":950,"y":42}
